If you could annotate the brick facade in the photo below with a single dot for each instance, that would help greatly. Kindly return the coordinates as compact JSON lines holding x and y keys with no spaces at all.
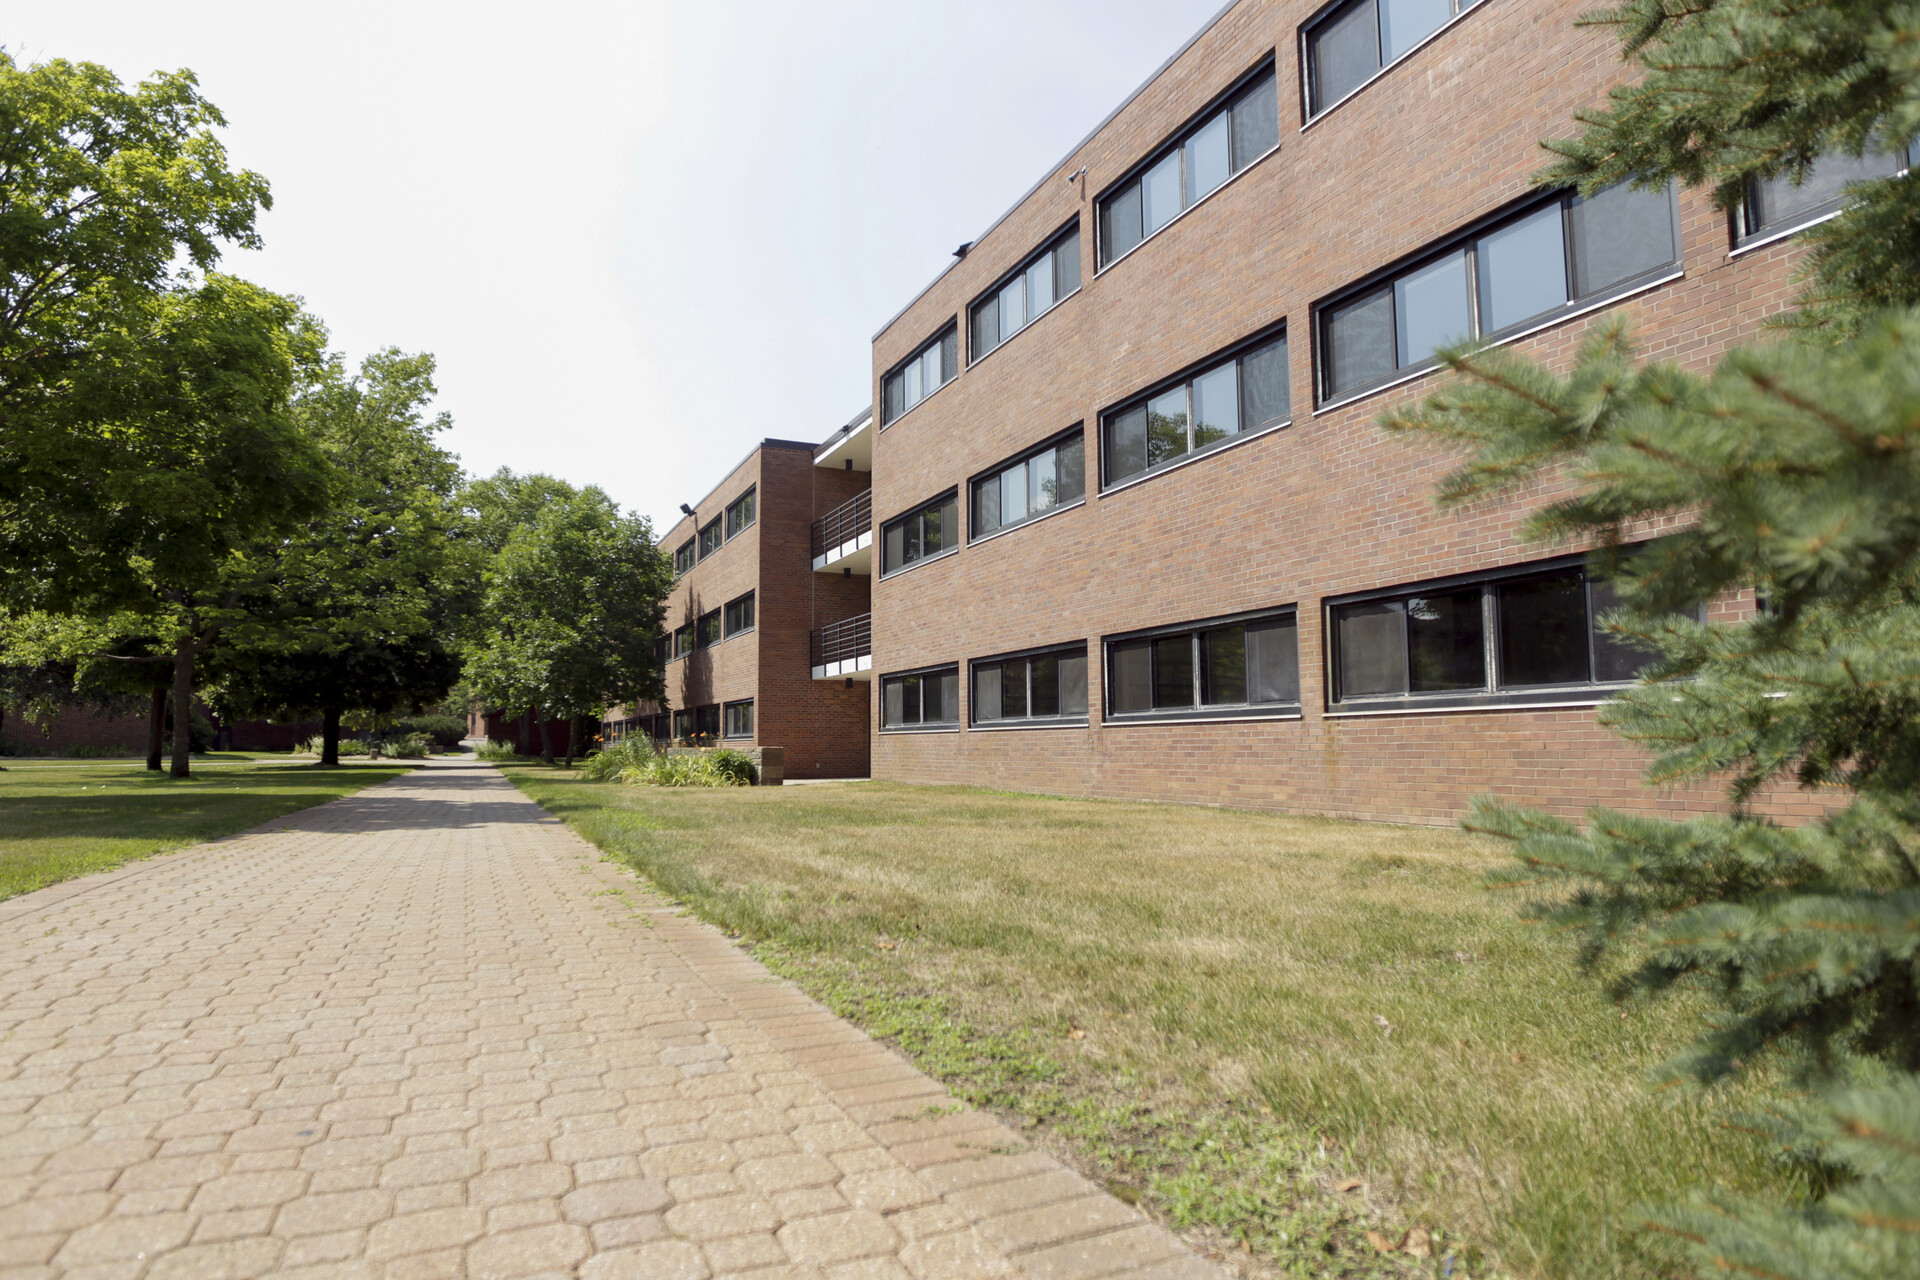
{"x":1325,"y":506}
{"x":821,"y":725}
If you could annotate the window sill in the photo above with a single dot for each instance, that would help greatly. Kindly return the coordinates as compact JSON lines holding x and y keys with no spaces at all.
{"x":1443,"y":704}
{"x":1024,"y":521}
{"x":1364,"y":85}
{"x":932,"y":728}
{"x":923,"y":400}
{"x":976,"y":361}
{"x":922,"y":561}
{"x":738,"y":532}
{"x":1187,"y":715}
{"x":1762,"y":239}
{"x":1506,"y":339}
{"x":1175,"y":220}
{"x":744,"y":631}
{"x":1003,"y":726}
{"x":1198,"y":455}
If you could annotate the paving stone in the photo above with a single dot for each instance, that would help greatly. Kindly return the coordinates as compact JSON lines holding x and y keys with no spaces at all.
{"x":405,"y":1035}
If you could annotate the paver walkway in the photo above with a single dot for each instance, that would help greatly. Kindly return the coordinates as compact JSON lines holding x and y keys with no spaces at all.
{"x":426,"y":1031}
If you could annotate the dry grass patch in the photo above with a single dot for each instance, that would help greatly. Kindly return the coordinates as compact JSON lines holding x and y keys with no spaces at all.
{"x":1226,"y":1016}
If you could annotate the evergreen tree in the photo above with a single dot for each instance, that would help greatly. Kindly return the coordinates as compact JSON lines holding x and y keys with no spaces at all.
{"x":1793,"y":473}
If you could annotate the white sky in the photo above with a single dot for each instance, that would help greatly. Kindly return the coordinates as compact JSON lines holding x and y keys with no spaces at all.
{"x":638,"y":237}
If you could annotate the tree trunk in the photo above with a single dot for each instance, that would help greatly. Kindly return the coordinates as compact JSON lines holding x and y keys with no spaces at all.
{"x":330,"y":736}
{"x":546,"y":738}
{"x":157,"y":728}
{"x":573,"y":737}
{"x":182,"y":707}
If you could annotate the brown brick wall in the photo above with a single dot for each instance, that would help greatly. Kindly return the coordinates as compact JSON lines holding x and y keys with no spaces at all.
{"x":1328,"y":505}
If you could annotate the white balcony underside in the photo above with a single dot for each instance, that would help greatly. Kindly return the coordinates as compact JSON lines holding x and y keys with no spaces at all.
{"x":855,"y":554}
{"x":860,"y":668}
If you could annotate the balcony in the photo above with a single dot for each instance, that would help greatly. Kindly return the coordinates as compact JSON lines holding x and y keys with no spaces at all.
{"x":843,"y":538}
{"x":844,"y":649}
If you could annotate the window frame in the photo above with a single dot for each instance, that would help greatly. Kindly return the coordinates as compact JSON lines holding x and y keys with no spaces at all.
{"x":685,"y":556}
{"x":991,"y":295}
{"x":1186,"y":377}
{"x":1269,"y":63}
{"x":727,"y":710}
{"x":1465,"y":242}
{"x":728,"y":630}
{"x":716,"y":527}
{"x":1747,"y":234}
{"x":1200,"y":712}
{"x":974,"y":481}
{"x":1492,"y":695}
{"x":950,"y":328}
{"x":1081,"y":720}
{"x":953,"y":495}
{"x":682,"y":649}
{"x":750,"y":499}
{"x":700,"y":630}
{"x":921,"y":726}
{"x":1324,"y":16}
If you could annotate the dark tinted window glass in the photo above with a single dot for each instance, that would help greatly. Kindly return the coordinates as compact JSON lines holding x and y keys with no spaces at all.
{"x":1359,"y":338}
{"x":1066,"y":265}
{"x":1126,"y":444}
{"x":1345,"y":52}
{"x":1776,"y":200}
{"x":740,"y":720}
{"x":893,"y":398}
{"x":914,"y":527}
{"x":1073,"y":685}
{"x":709,"y":632}
{"x":1543,"y":631}
{"x":1523,"y":270}
{"x":986,"y":328}
{"x":740,"y":614}
{"x":1372,"y":648}
{"x":1256,"y":122}
{"x":949,"y":357}
{"x":1273,"y":661}
{"x":1173,"y":671}
{"x":892,"y":702}
{"x":710,"y":539}
{"x":740,"y":514}
{"x":1223,"y":674}
{"x":1445,"y":642}
{"x":895,"y":547}
{"x":1013,"y":689}
{"x":1132,"y":675}
{"x":1614,"y":656}
{"x":1619,"y":234}
{"x":706,"y":721}
{"x":1120,"y":222}
{"x":1263,"y":386}
{"x":1043,"y":697}
{"x":683,"y":558}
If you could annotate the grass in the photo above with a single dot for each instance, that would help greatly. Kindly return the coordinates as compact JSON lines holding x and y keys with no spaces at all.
{"x":60,"y":819}
{"x":1296,"y":1039}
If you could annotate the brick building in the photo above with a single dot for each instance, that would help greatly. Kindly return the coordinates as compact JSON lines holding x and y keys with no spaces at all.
{"x":767,"y":623}
{"x":1139,"y":535}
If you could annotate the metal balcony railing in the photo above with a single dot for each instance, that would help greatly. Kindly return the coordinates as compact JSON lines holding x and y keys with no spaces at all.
{"x":843,"y":641}
{"x":844,"y":523}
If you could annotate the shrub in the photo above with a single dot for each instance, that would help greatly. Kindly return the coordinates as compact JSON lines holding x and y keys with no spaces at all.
{"x":499,"y":752}
{"x":444,"y":732}
{"x":87,"y":751}
{"x":636,"y":763}
{"x":607,"y":764}
{"x":735,"y":767}
{"x":408,"y":746}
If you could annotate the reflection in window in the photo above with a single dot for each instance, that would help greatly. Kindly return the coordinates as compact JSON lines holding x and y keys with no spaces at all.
{"x":740,"y":512}
{"x":919,"y":534}
{"x":1347,"y":47}
{"x":1223,"y":143}
{"x":740,"y":719}
{"x":683,"y":557}
{"x":1015,"y":303}
{"x":1242,"y":394}
{"x":1045,"y":686}
{"x":740,"y":614}
{"x":1252,"y":664}
{"x":1036,"y":484}
{"x":1777,"y":204}
{"x":707,"y":630}
{"x":924,"y":698}
{"x":1570,"y":250}
{"x":922,"y":374}
{"x":711,"y":537}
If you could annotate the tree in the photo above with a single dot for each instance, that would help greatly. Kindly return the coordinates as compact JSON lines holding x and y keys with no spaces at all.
{"x":574,"y":612}
{"x":144,"y":432}
{"x":368,"y":597}
{"x":504,"y":502}
{"x":1793,"y":472}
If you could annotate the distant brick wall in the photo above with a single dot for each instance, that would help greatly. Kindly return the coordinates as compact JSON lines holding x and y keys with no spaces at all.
{"x":1328,"y":505}
{"x":74,"y":728}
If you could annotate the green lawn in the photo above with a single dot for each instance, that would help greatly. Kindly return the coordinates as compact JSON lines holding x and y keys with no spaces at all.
{"x":66,"y":818}
{"x":1278,"y":1033}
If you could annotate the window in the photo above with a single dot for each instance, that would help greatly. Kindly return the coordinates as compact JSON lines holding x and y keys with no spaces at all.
{"x":711,"y":537}
{"x":1223,"y":142}
{"x":1528,"y":635}
{"x":706,"y":721}
{"x":740,"y":719}
{"x":1240,"y":394}
{"x":707,"y":632}
{"x":683,"y":724}
{"x":923,"y":373}
{"x":1049,"y":477}
{"x":663,"y":650}
{"x":1229,"y":669}
{"x":921,"y":535}
{"x":740,"y":614}
{"x":1025,"y":295}
{"x":921,"y":700}
{"x":1524,"y":269}
{"x":1032,"y":689}
{"x":683,"y":640}
{"x":740,"y":512}
{"x":683,"y":558}
{"x":1350,"y":45}
{"x":1774,"y":205}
